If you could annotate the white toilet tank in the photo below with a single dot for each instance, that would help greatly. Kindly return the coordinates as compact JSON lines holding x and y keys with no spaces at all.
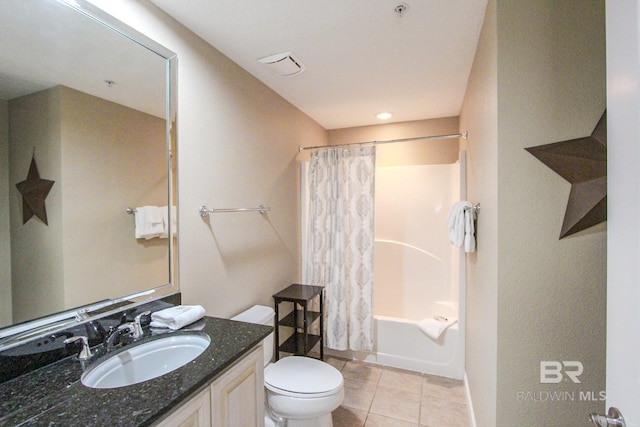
{"x":261,"y":315}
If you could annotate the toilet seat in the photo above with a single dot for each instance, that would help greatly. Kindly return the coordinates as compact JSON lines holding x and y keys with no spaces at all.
{"x":302,"y":377}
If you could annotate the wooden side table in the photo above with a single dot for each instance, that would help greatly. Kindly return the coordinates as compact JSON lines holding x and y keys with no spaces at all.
{"x":301,"y":342}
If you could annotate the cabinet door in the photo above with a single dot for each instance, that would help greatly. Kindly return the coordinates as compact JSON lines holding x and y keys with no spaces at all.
{"x":237,"y":397}
{"x":195,"y":413}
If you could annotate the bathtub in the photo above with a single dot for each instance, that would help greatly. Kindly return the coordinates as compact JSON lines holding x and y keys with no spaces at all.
{"x":401,"y":344}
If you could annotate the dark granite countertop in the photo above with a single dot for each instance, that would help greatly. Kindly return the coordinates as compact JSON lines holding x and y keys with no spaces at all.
{"x":54,"y":396}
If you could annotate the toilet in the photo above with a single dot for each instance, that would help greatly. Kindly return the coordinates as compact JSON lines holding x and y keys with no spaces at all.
{"x":299,"y":391}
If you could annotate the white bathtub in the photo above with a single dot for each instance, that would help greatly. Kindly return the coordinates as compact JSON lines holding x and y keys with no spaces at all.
{"x":401,"y":344}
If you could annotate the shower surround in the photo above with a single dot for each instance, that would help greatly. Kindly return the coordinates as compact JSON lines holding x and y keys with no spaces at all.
{"x":418,"y":272}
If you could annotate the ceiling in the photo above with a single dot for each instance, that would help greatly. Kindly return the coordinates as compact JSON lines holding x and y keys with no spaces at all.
{"x":361,"y":56}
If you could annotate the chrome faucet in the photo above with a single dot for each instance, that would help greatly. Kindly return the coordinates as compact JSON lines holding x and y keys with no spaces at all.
{"x":115,"y":334}
{"x":85,"y":352}
{"x":133,"y":329}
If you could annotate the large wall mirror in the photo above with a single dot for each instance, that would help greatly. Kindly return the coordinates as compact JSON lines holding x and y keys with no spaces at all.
{"x":92,"y":103}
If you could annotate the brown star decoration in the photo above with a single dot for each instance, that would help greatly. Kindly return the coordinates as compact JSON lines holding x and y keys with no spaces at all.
{"x":34,"y":190}
{"x":582,"y":162}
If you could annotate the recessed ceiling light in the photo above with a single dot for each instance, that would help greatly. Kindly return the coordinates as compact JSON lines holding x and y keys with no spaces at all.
{"x":384,"y":115}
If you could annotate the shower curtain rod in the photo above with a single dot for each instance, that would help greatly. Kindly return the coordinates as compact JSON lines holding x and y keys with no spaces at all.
{"x":389,"y":141}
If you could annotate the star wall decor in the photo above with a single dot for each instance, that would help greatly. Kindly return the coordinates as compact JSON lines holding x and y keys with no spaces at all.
{"x":582,"y":162}
{"x":34,"y":191}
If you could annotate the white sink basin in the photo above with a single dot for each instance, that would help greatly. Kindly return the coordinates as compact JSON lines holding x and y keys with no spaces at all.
{"x":146,"y":361}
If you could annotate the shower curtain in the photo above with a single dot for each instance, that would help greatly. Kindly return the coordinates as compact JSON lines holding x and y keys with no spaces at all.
{"x":341,"y":240}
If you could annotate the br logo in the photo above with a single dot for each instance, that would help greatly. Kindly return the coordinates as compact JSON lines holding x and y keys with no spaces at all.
{"x":554,"y":371}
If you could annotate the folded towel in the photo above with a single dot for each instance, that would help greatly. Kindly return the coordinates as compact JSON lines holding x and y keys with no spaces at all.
{"x":149,"y":222}
{"x":434,"y":327}
{"x":176,"y":317}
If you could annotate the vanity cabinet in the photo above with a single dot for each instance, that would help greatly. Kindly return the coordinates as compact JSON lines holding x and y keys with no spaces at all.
{"x":235,"y":398}
{"x":238,"y":394}
{"x":195,"y":413}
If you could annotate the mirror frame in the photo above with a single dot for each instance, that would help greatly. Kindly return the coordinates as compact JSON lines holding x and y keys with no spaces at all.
{"x":20,"y":333}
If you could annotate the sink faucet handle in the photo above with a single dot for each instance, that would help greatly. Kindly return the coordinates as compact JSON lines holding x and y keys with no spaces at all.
{"x":137,"y":321}
{"x":85,"y":352}
{"x":128,"y":327}
{"x":139,"y":316}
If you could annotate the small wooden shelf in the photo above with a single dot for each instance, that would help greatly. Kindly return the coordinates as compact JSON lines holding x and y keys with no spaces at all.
{"x":301,"y":342}
{"x":291,"y":321}
{"x":295,"y":343}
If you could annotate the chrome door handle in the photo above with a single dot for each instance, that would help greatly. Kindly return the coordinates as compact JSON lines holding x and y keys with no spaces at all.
{"x":613,"y":419}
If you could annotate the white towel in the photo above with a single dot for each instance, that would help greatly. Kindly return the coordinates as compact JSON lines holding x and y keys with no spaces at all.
{"x":165,"y":221}
{"x":469,"y":231}
{"x":434,"y":327}
{"x":460,"y":226}
{"x":456,"y":222}
{"x":149,"y":222}
{"x":176,"y":317}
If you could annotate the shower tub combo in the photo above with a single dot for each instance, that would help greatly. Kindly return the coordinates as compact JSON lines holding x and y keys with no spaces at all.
{"x":418,"y":273}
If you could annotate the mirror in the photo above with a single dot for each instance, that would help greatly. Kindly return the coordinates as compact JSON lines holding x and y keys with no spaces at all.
{"x":92,"y":102}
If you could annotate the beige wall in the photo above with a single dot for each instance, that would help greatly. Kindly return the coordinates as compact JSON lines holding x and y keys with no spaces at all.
{"x":543,"y":83}
{"x":406,"y":153}
{"x":5,"y":225}
{"x":93,"y":150}
{"x":237,"y":146}
{"x":36,"y":255}
{"x":113,"y":157}
{"x":479,"y":117}
{"x":552,"y":87}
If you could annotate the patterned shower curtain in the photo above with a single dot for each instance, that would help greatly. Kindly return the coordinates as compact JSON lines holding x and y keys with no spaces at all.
{"x":341,"y":240}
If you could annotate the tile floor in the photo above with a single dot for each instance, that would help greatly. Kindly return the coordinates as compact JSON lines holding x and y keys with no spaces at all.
{"x":376,"y":396}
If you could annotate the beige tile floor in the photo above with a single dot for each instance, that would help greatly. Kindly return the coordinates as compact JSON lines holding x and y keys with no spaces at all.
{"x":376,"y":396}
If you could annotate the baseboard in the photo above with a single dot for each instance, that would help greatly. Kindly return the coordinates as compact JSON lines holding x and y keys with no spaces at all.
{"x":467,"y":392}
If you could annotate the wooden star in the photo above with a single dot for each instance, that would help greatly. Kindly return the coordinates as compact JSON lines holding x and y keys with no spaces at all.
{"x":34,"y":191}
{"x":582,"y":162}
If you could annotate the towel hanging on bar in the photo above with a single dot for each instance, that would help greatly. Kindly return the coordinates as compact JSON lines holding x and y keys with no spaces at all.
{"x":461,"y":225}
{"x":153,"y":221}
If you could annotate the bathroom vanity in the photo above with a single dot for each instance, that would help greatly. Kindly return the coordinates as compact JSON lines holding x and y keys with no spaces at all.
{"x":224,"y":382}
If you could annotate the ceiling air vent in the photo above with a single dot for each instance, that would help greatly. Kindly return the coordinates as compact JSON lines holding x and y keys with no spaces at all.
{"x":283,"y":64}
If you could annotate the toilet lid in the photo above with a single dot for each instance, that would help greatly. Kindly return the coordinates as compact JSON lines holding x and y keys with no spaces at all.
{"x":302,"y":375}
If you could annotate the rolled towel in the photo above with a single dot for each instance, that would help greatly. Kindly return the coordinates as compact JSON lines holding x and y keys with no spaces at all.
{"x":434,"y":327}
{"x":177,"y":317}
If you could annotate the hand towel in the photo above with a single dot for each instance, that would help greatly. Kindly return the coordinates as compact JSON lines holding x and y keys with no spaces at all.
{"x":469,"y":231}
{"x":165,"y":221}
{"x":434,"y":327}
{"x":176,"y":317}
{"x":456,"y":222}
{"x":148,"y":222}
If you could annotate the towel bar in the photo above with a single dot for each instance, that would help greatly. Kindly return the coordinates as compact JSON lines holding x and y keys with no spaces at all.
{"x":475,"y":208}
{"x":204,"y":211}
